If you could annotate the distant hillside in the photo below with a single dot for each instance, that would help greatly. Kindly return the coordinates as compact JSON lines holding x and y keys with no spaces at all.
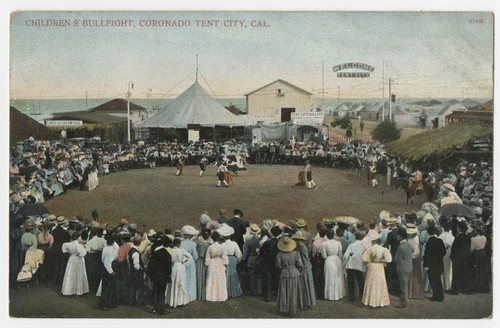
{"x":426,"y":103}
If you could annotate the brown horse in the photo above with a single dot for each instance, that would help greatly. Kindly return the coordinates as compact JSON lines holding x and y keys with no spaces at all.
{"x":411,"y":188}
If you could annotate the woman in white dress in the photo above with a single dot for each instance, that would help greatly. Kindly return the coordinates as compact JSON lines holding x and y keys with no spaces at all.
{"x":331,"y":251}
{"x":177,"y":293}
{"x":375,"y":293}
{"x":190,"y":246}
{"x":75,"y":280}
{"x":216,"y":260}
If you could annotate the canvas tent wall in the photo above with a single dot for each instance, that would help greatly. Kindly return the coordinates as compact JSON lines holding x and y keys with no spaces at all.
{"x":283,"y":132}
{"x":22,"y":127}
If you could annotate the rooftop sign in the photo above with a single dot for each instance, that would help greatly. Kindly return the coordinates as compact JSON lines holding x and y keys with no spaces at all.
{"x":349,"y":66}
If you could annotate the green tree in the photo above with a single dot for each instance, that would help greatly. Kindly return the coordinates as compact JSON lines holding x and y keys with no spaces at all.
{"x":343,"y":123}
{"x":386,"y":131}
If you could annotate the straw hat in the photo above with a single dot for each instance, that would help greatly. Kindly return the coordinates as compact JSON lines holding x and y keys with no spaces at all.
{"x":123,"y":221}
{"x":411,"y":228}
{"x":52,"y":217}
{"x":298,"y":235}
{"x":29,"y":225}
{"x":254,"y":229}
{"x":391,"y":221}
{"x":286,"y":244}
{"x":301,"y":223}
{"x":61,"y":220}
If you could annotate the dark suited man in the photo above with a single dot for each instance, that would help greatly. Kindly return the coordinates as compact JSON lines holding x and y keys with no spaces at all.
{"x":61,"y":235}
{"x":159,"y":270}
{"x":435,"y":250}
{"x":269,"y":251}
{"x":459,"y":255}
{"x":239,"y":226}
{"x":391,"y":276}
{"x":404,"y":266}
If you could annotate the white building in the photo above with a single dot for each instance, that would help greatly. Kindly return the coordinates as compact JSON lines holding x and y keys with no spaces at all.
{"x":276,"y":101}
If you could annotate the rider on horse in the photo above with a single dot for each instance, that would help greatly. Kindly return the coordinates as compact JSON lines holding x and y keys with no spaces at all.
{"x":417,"y":177}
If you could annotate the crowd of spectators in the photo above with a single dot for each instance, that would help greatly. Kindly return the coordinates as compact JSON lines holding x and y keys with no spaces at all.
{"x":57,"y":251}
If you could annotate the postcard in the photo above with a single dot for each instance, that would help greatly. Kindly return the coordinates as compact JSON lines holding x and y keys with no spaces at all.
{"x":212,"y":164}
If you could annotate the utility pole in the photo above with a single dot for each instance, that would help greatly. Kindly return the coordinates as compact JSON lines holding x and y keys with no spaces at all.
{"x":87,"y":99}
{"x":130,"y":87}
{"x":383,"y":91}
{"x":390,"y":101}
{"x":338,"y":94}
{"x":323,"y":84}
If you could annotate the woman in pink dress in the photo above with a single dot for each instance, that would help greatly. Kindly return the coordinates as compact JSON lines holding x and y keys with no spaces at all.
{"x":216,"y":260}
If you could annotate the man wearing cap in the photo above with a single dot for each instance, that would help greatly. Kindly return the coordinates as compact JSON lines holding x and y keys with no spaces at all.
{"x":353,"y":263}
{"x":404,"y":265}
{"x":433,"y":263}
{"x":136,"y":288}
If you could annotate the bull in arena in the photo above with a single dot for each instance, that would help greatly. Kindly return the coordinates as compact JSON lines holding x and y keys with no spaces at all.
{"x":235,"y":163}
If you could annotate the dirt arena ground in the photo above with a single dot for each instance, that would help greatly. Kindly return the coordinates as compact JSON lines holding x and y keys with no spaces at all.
{"x":159,"y":199}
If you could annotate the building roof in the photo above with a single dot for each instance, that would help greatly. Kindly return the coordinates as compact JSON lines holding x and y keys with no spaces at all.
{"x":438,"y":141}
{"x":439,"y":110}
{"x":282,"y":81}
{"x":117,"y":104}
{"x":89,"y":117}
{"x":193,"y":106}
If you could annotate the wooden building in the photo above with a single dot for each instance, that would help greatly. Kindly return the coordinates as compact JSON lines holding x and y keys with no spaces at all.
{"x":276,"y":101}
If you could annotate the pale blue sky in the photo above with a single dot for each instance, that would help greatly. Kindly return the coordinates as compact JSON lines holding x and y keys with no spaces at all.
{"x":427,"y":54}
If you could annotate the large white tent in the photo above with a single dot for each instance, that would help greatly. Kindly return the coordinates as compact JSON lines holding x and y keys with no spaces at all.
{"x":193,"y":106}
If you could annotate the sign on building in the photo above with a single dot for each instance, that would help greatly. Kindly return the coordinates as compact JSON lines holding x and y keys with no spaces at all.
{"x":63,"y":123}
{"x":308,"y":118}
